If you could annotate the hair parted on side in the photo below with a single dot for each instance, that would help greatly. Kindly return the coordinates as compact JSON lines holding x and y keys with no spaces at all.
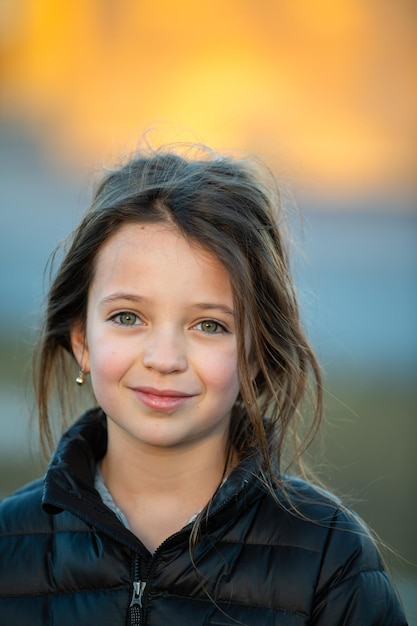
{"x":225,"y":206}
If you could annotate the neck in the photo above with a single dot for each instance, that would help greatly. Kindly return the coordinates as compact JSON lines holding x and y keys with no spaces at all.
{"x":136,"y":470}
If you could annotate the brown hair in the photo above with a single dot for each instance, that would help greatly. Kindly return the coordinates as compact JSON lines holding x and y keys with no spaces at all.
{"x":223,"y":205}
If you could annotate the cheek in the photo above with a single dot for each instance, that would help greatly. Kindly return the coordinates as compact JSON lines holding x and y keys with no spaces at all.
{"x":107,"y":369}
{"x":221,"y":373}
{"x":107,"y":360}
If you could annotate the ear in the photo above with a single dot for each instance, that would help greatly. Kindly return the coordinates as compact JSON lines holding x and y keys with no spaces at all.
{"x":79,"y":345}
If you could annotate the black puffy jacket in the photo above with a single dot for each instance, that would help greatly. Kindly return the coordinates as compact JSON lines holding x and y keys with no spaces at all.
{"x":66,"y":560}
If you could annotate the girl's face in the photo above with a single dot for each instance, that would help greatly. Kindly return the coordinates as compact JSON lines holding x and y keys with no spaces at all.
{"x":160,"y":340}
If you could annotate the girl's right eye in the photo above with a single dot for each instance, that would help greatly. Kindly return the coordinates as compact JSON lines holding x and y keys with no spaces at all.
{"x":125,"y":318}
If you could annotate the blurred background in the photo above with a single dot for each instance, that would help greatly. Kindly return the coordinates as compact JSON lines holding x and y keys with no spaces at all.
{"x":325,"y":93}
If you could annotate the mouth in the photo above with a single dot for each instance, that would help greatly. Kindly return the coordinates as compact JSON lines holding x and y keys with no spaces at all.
{"x":162,"y":399}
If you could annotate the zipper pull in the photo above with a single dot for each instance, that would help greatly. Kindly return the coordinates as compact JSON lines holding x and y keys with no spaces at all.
{"x":138,"y":589}
{"x":136,"y":603}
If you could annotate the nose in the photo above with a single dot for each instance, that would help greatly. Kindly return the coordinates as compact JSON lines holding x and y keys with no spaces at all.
{"x":164,"y":351}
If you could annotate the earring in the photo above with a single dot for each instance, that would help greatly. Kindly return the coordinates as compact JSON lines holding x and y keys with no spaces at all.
{"x":80,"y":380}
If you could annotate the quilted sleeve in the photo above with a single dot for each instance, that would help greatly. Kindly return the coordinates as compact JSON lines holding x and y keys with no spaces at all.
{"x":353,"y":588}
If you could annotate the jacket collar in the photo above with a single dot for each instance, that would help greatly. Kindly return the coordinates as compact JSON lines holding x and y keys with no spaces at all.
{"x":73,"y":464}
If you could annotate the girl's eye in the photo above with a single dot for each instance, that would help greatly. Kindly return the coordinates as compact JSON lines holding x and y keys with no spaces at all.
{"x":211,"y":326}
{"x":125,"y":319}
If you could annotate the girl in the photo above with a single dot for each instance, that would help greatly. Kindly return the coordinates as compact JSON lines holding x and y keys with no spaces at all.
{"x":169,"y":502}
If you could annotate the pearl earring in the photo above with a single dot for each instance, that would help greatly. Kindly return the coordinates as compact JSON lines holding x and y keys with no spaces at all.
{"x":80,"y":380}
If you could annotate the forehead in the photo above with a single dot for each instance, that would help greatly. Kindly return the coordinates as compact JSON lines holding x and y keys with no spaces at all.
{"x":152,"y":254}
{"x":153,"y":240}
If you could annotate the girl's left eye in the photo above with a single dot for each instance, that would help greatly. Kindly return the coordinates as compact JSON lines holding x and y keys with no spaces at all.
{"x":211,"y":327}
{"x":125,"y":318}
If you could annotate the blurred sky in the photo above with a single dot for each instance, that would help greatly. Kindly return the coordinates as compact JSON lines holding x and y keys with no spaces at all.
{"x":325,"y":89}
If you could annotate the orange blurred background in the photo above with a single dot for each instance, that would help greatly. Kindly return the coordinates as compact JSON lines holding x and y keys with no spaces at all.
{"x":325,"y":89}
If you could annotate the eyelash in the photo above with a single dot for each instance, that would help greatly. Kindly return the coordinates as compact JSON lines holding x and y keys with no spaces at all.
{"x":220,"y":327}
{"x":115,"y":320}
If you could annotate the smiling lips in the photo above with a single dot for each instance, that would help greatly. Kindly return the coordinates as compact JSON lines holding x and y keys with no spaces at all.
{"x":161,"y":400}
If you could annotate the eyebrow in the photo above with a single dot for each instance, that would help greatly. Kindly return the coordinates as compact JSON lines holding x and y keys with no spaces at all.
{"x":213,"y":306}
{"x":202,"y":306}
{"x":122,"y":296}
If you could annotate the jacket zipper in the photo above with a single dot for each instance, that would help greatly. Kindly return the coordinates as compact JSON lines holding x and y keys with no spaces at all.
{"x":136,"y":603}
{"x":139,"y":586}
